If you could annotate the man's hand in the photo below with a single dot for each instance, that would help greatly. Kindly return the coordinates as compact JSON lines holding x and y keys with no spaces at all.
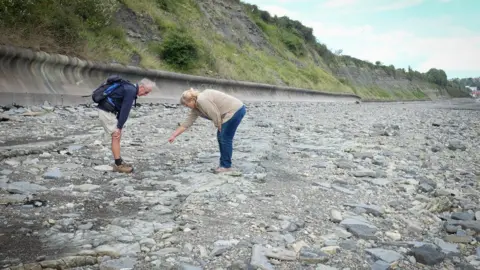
{"x":116,"y":134}
{"x":171,"y":139}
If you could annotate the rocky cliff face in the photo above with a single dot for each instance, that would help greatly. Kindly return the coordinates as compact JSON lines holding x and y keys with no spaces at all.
{"x":230,"y":21}
{"x":378,"y":83}
{"x":216,"y":38}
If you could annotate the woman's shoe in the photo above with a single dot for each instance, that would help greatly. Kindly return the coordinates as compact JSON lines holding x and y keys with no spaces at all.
{"x":222,"y":170}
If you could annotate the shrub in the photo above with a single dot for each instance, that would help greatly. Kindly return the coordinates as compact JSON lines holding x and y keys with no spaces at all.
{"x":64,"y":19}
{"x":14,"y":11}
{"x":167,"y":5}
{"x":96,"y":14}
{"x":293,"y":43}
{"x":179,"y":50}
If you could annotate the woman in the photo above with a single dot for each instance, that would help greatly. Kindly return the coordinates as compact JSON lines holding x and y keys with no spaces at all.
{"x":226,"y":113}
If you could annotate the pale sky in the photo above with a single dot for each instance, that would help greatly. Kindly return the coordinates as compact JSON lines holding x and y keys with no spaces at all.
{"x":421,"y":33}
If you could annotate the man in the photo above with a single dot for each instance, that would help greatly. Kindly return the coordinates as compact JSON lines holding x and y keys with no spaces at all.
{"x":113,"y":120}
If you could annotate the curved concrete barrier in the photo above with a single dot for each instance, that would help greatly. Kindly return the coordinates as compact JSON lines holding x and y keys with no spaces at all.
{"x":28,"y":78}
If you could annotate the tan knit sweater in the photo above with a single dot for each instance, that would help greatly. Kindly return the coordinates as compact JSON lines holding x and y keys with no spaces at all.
{"x":215,"y":106}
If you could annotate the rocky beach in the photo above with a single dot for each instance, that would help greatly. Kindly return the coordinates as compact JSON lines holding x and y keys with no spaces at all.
{"x":319,"y":186}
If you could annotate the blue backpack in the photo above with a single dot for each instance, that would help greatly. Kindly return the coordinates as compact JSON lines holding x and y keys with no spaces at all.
{"x":103,"y":91}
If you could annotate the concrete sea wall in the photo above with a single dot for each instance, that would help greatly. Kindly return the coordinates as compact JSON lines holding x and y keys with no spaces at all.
{"x":28,"y":78}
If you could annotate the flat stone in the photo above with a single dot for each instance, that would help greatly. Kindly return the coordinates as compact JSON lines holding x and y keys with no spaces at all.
{"x":5,"y":172}
{"x":87,"y":226}
{"x":467,"y":224}
{"x":462,"y":216}
{"x":125,"y":263}
{"x":424,"y":180}
{"x":356,"y":220}
{"x":458,"y":238}
{"x":386,"y":255}
{"x":184,"y":266}
{"x":85,"y":187}
{"x":149,"y":242}
{"x":165,"y":251}
{"x":456,"y":145}
{"x":76,"y":261}
{"x":54,"y":173}
{"x":380,"y":181}
{"x":439,"y":204}
{"x":336,"y":216}
{"x":73,"y":148}
{"x":321,"y":165}
{"x":477,"y":215}
{"x":349,"y":244}
{"x":452,"y":228}
{"x":162,"y":210}
{"x":447,"y":248}
{"x":365,"y":173}
{"x":69,"y":166}
{"x":312,"y":256}
{"x":30,"y":266}
{"x":259,"y":260}
{"x":12,"y":162}
{"x":22,"y":188}
{"x":288,"y":226}
{"x":344,"y":190}
{"x":325,"y":267}
{"x":379,"y":160}
{"x":424,"y":187}
{"x":428,"y":255}
{"x":221,"y":246}
{"x":362,"y":231}
{"x":288,"y":238}
{"x":331,"y":249}
{"x":380,"y":265}
{"x":395,"y":236}
{"x":12,"y":199}
{"x":342,"y":233}
{"x":345,"y":165}
{"x":281,"y":254}
{"x":103,"y":168}
{"x":370,"y":209}
{"x":119,"y":249}
{"x":363,"y":155}
{"x":50,"y":264}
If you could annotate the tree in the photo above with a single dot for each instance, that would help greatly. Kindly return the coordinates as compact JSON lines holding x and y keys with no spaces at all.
{"x":410,"y":74}
{"x":437,"y":76}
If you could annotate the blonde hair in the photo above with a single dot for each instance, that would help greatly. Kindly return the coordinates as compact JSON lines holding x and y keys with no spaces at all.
{"x":189,"y":95}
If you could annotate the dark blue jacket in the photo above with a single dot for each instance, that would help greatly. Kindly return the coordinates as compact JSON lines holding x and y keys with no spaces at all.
{"x":123,"y":97}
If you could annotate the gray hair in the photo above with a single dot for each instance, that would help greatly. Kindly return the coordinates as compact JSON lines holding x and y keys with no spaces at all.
{"x":147,"y":83}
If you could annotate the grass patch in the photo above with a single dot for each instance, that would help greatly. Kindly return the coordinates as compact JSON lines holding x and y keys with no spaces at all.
{"x":189,"y":43}
{"x":378,"y":93}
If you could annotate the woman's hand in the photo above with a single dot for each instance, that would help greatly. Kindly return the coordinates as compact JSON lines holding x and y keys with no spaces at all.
{"x":177,"y":132}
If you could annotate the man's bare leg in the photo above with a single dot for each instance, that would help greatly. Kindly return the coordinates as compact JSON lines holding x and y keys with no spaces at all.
{"x":123,"y":167}
{"x":116,"y":146}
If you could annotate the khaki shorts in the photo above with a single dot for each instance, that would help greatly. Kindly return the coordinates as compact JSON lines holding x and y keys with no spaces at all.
{"x":108,"y":120}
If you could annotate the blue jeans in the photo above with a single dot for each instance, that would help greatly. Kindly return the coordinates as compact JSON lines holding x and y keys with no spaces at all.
{"x":225,"y":138}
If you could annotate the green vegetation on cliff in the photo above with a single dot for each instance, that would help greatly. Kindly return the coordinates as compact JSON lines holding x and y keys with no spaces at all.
{"x":223,"y":39}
